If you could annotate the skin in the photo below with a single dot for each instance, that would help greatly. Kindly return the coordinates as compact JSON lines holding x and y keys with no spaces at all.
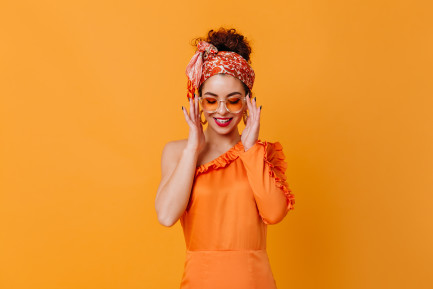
{"x":181,"y":158}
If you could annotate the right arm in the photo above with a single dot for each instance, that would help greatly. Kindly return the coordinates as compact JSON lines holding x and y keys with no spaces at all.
{"x":178,"y":169}
{"x":178,"y":165}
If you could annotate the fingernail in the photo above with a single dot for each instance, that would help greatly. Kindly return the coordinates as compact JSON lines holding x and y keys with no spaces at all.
{"x":182,"y":107}
{"x":260,"y":107}
{"x":254,"y":99}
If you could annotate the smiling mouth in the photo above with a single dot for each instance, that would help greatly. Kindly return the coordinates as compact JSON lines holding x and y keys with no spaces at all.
{"x":223,"y":121}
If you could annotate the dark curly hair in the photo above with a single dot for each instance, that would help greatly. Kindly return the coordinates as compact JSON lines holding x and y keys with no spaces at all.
{"x":227,"y":40}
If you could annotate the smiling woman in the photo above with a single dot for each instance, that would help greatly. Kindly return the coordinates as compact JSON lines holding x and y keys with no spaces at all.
{"x":224,"y":187}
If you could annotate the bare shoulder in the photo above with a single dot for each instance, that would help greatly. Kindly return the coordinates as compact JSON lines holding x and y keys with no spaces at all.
{"x":172,"y":152}
{"x":174,"y":147}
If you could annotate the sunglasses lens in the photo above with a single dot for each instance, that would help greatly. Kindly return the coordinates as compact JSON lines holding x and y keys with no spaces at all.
{"x":234,"y":104}
{"x":210,"y":103}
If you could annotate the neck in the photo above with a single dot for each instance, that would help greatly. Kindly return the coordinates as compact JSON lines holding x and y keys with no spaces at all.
{"x":215,"y":139}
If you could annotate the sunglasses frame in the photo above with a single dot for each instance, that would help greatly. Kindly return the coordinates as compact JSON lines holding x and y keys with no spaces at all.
{"x":244,"y":101}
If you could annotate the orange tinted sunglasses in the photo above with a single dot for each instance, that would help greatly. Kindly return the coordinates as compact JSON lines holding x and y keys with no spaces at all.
{"x":233,"y":104}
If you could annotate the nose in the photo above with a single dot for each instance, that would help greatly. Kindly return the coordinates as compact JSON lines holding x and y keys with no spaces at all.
{"x":222,"y":108}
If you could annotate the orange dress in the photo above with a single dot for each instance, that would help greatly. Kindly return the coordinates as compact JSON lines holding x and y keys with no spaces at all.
{"x":233,"y":199}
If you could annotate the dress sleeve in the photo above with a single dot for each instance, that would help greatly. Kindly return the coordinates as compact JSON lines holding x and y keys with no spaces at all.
{"x":265,"y":166}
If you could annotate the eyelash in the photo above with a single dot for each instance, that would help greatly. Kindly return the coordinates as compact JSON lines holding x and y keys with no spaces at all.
{"x":231,"y":101}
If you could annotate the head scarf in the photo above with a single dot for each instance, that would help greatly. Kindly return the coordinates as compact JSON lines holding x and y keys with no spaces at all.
{"x":208,"y":61}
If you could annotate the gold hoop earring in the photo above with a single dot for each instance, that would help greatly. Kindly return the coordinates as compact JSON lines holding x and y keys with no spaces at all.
{"x":202,"y":122}
{"x":245,"y":117}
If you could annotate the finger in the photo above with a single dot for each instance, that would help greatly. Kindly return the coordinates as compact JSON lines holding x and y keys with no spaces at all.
{"x":259,"y":113}
{"x":201,"y":126}
{"x":249,"y":107}
{"x":195,"y":112}
{"x":248,"y":122}
{"x":191,"y":109}
{"x":197,"y":108}
{"x":257,"y":109}
{"x":253,"y":109}
{"x":188,"y":120}
{"x":254,"y":102}
{"x":185,"y":113}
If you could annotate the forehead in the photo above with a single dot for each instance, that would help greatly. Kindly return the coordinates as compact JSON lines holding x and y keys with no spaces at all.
{"x":222,"y":84}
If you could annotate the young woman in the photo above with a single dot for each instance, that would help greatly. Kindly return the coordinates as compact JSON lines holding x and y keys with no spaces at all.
{"x":224,"y":187}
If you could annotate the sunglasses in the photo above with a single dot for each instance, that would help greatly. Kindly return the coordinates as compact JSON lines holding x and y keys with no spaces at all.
{"x":233,"y":104}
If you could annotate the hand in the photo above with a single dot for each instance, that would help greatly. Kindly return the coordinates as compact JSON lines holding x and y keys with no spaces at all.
{"x":250,"y":134}
{"x":196,"y":138}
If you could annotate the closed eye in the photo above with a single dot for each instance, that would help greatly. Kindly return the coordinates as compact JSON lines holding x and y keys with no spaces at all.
{"x":234,"y":100}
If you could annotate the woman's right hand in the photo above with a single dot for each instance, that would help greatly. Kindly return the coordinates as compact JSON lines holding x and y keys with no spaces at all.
{"x":196,"y":138}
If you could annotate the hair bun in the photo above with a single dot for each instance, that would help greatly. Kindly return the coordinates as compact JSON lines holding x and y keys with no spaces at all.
{"x":228,"y":40}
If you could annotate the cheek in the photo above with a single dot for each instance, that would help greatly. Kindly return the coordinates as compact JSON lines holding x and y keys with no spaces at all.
{"x":241,"y":113}
{"x":238,"y":117}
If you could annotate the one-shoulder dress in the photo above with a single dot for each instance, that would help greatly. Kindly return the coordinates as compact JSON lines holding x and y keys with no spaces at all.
{"x":233,"y":199}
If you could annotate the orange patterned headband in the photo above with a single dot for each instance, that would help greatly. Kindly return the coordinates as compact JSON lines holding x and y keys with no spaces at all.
{"x":207,"y":61}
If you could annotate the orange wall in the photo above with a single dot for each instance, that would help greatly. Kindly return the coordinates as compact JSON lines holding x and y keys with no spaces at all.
{"x":90,"y":91}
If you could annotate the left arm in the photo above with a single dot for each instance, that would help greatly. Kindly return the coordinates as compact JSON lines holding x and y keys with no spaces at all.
{"x":265,"y":166}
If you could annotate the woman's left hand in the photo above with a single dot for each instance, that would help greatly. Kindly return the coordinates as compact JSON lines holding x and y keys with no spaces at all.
{"x":250,"y":134}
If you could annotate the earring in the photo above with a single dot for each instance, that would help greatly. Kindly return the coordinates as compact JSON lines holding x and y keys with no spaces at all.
{"x":202,"y":122}
{"x":245,"y":117}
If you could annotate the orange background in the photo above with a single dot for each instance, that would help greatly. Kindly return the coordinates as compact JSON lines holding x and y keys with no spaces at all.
{"x":92,"y":90}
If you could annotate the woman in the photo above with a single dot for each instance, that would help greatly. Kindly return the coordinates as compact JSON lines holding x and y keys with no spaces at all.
{"x":224,"y":187}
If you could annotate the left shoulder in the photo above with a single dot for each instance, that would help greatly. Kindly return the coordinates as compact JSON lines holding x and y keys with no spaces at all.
{"x":271,"y":146}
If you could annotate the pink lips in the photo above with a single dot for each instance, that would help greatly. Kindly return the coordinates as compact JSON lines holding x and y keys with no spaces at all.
{"x":223,"y":124}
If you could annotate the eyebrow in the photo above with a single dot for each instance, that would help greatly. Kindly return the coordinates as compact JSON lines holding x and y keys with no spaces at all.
{"x":230,"y":94}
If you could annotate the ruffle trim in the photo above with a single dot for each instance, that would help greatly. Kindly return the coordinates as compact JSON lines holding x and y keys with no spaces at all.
{"x":222,"y":161}
{"x":274,"y":158}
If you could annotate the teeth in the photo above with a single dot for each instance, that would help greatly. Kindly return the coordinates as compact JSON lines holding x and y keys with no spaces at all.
{"x":222,"y":121}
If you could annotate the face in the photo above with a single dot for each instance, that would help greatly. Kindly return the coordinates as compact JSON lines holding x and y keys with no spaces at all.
{"x":223,"y":86}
